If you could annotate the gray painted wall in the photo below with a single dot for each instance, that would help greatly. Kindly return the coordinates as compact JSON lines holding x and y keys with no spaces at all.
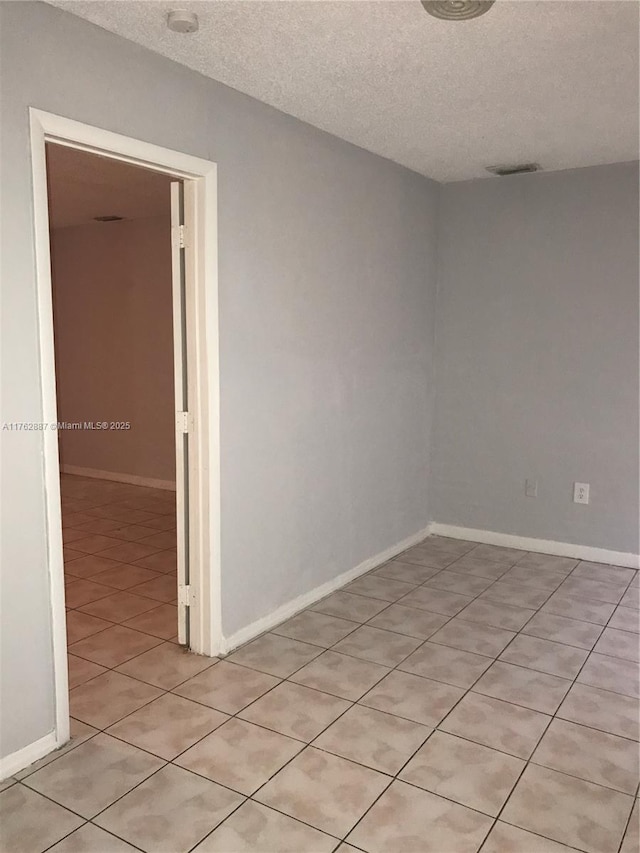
{"x":327,"y":289}
{"x":113,"y":333}
{"x":537,"y":356}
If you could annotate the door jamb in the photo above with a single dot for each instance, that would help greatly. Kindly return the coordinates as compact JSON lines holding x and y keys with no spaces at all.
{"x":205,"y":580}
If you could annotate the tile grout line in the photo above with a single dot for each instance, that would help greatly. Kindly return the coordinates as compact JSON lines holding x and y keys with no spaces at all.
{"x":390,"y":669}
{"x":551,"y":717}
{"x":539,"y":741}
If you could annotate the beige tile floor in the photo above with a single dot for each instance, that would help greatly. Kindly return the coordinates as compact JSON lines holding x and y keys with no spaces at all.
{"x":459,"y":698}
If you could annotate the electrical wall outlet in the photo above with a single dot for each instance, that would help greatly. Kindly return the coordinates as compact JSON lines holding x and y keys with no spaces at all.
{"x":531,"y":488}
{"x":581,"y":493}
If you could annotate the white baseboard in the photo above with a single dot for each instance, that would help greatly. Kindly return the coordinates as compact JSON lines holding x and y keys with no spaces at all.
{"x":17,"y":761}
{"x":286,"y":611}
{"x":133,"y":479}
{"x":542,"y":546}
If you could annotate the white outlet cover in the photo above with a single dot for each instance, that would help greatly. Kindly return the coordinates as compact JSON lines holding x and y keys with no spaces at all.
{"x":581,"y":493}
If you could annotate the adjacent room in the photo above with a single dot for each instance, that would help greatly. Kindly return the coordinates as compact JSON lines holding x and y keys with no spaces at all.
{"x":321,"y":426}
{"x":111,"y":276}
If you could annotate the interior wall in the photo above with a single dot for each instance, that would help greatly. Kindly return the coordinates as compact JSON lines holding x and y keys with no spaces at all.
{"x":327,"y":290}
{"x":113,"y":328}
{"x":537,"y":356}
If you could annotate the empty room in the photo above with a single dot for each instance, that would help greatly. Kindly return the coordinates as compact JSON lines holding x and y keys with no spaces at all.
{"x":320,"y":426}
{"x":114,"y":365}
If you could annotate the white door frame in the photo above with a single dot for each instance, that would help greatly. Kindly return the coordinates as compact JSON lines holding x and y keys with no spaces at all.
{"x":205,"y":579}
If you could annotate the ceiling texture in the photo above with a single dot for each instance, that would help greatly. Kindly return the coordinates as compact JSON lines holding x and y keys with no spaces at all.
{"x":549,"y":81}
{"x":82,"y":186}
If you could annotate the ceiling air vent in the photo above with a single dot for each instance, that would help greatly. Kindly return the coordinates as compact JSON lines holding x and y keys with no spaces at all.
{"x":108,"y":218}
{"x":519,"y":169}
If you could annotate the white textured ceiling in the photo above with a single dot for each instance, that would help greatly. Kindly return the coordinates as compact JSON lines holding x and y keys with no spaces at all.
{"x":83,"y":186}
{"x":532,"y":80}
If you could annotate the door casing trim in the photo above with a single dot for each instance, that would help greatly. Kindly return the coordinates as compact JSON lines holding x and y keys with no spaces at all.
{"x":205,"y":578}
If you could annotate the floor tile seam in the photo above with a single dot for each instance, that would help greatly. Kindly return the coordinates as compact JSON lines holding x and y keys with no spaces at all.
{"x":471,"y":690}
{"x":86,"y":604}
{"x":607,"y":689}
{"x":310,"y":744}
{"x":118,"y":565}
{"x":581,"y":778}
{"x":461,"y":649}
{"x":123,"y":525}
{"x":539,"y":741}
{"x":512,"y":640}
{"x":326,"y":648}
{"x":390,"y":603}
{"x":586,"y":684}
{"x":478,"y":692}
{"x":101,"y":631}
{"x":144,"y":705}
{"x":627,"y":824}
{"x":114,"y":668}
{"x":67,"y":749}
{"x":235,"y":716}
{"x":114,"y":539}
{"x":348,"y":699}
{"x":281,"y":681}
{"x":111,"y":503}
{"x":584,"y":621}
{"x":423,"y":641}
{"x":443,"y":796}
{"x":531,"y":666}
{"x":526,"y":764}
{"x":609,"y":565}
{"x":304,"y":746}
{"x":75,"y":829}
{"x":90,"y":823}
{"x":164,"y":693}
{"x":117,"y":800}
{"x":608,"y":625}
{"x":539,"y":835}
{"x":356,"y":625}
{"x":472,"y":599}
{"x":157,"y":604}
{"x":467,"y":690}
{"x":274,"y":809}
{"x":592,"y":599}
{"x":400,"y":603}
{"x":614,"y":657}
{"x":104,"y":536}
{"x":562,"y":642}
{"x":592,"y":727}
{"x":366,"y":812}
{"x":417,"y":787}
{"x":81,"y":556}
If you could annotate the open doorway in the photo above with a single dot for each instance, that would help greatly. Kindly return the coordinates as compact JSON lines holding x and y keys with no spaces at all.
{"x":120,"y":362}
{"x":126,"y":253}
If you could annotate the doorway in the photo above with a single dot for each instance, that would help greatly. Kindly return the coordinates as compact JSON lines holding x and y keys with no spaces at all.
{"x":119,"y":313}
{"x":182,"y":508}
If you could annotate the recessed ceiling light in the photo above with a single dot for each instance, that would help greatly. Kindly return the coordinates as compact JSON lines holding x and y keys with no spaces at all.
{"x":457,"y":10}
{"x":181,"y":21}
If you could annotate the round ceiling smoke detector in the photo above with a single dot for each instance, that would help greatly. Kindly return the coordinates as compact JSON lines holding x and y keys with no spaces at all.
{"x":457,"y":10}
{"x":181,"y":21}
